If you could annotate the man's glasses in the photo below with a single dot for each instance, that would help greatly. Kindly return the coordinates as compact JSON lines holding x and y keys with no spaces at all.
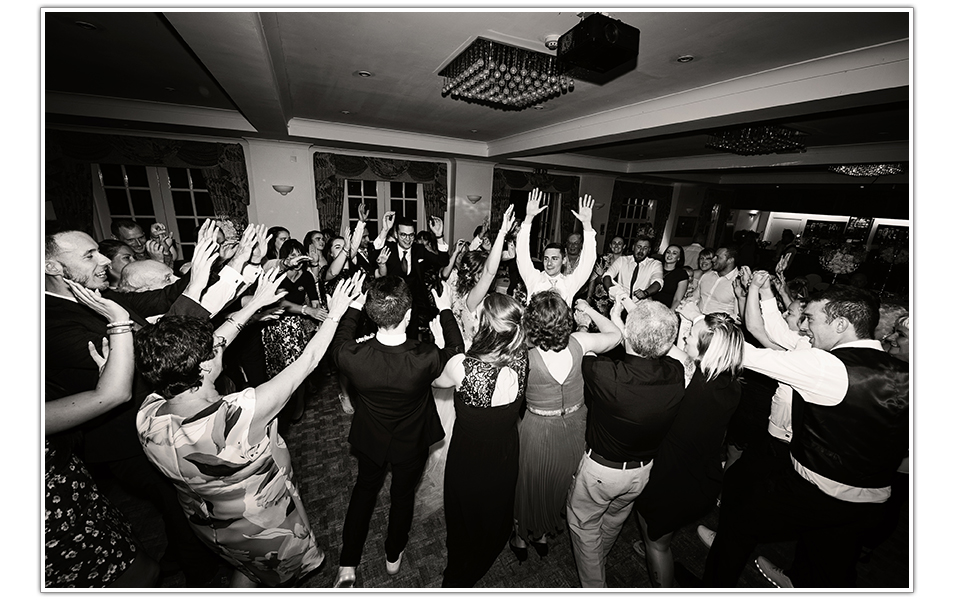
{"x":405,"y":236}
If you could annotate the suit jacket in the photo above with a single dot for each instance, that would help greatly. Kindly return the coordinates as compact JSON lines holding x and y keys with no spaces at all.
{"x":420,"y":260}
{"x":70,"y":369}
{"x":395,"y":416}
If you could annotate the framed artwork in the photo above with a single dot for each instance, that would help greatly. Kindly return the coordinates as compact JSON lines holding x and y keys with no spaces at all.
{"x":823,"y":229}
{"x":891,"y":235}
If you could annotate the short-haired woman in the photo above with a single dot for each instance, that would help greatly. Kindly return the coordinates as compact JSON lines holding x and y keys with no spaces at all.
{"x":687,"y":472}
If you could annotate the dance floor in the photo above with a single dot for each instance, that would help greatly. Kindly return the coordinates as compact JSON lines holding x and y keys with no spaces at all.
{"x":325,"y":472}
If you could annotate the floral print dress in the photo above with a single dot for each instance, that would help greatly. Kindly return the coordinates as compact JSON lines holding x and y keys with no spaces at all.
{"x":240,"y":498}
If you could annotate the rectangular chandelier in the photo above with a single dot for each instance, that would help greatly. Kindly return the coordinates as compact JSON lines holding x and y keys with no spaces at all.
{"x":759,"y":139}
{"x":503,"y":76}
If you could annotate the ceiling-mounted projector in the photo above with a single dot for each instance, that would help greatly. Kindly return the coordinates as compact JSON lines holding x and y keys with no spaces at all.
{"x":599,"y":44}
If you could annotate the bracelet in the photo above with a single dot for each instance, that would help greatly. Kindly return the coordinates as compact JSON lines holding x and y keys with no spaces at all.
{"x":257,"y":264}
{"x":331,"y":317}
{"x":238,"y":325}
{"x":118,"y":324}
{"x":119,"y":330}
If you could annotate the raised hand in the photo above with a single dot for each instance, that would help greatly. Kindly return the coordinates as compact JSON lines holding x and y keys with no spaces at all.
{"x":745,"y":274}
{"x":92,"y":299}
{"x":244,"y":251}
{"x":436,"y":225}
{"x":534,"y":203}
{"x":389,"y":220}
{"x":100,"y":360}
{"x":362,"y":212}
{"x":158,"y":232}
{"x":384,"y":255}
{"x":761,"y":279}
{"x":442,"y":300}
{"x":208,"y":230}
{"x":155,"y":249}
{"x":346,"y":292}
{"x":261,"y":244}
{"x":202,"y":260}
{"x":508,"y":221}
{"x":585,"y":214}
{"x":267,"y":291}
{"x":582,"y":305}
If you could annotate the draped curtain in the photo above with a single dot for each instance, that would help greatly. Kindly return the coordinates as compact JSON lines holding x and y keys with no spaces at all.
{"x":724,"y":199}
{"x":69,"y":184}
{"x":331,"y":171}
{"x":623,"y":190}
{"x":506,"y":180}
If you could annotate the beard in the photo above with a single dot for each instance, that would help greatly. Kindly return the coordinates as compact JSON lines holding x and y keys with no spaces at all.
{"x":87,"y":281}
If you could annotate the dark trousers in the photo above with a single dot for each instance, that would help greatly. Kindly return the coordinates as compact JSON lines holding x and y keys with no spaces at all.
{"x":784,"y":506}
{"x":139,"y":477}
{"x":405,"y":476}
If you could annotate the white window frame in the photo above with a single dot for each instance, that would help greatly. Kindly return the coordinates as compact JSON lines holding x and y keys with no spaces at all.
{"x":634,"y":213}
{"x":383,"y":198}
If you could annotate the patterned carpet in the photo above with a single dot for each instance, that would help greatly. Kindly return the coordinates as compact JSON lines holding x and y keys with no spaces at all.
{"x":325,"y":472}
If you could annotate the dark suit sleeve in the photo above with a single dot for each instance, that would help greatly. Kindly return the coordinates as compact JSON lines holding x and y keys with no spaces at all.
{"x":345,"y":332}
{"x":186,"y":306}
{"x":453,"y":340}
{"x":68,"y":333}
{"x":153,"y":302}
{"x":441,"y":259}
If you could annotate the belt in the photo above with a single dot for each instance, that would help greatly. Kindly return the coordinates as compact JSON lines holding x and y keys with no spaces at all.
{"x":630,"y":464}
{"x":554,"y":413}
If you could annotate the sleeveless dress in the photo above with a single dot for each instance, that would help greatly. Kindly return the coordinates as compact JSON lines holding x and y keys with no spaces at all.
{"x":240,"y":499}
{"x":687,"y":471}
{"x":481,"y":473}
{"x":87,"y":541}
{"x":551,"y":446}
{"x":285,"y":339}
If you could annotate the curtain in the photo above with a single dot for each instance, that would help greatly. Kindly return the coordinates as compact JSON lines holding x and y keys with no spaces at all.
{"x":506,"y":180}
{"x":69,"y":155}
{"x":331,"y":171}
{"x":723,"y":198}
{"x":623,"y":190}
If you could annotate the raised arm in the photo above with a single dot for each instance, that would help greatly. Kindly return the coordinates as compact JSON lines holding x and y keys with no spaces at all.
{"x":387,"y":223}
{"x":754,"y":321}
{"x":581,"y":275}
{"x":115,"y":382}
{"x":458,"y":248}
{"x":524,"y":262}
{"x":489,"y":273}
{"x":272,"y":395}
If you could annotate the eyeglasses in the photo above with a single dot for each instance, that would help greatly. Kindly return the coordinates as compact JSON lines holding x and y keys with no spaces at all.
{"x":406,"y":236}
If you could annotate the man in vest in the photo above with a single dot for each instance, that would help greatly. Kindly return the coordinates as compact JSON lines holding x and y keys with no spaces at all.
{"x":849,"y":435}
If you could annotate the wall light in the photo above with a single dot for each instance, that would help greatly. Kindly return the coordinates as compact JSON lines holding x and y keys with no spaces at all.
{"x":283,"y":189}
{"x":474,"y":199}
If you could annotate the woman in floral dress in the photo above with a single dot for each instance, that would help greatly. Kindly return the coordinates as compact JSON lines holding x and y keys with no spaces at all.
{"x":229,"y":464}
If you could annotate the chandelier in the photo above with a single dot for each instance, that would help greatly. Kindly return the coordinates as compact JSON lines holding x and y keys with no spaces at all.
{"x":504,"y":76}
{"x":868,"y":170}
{"x":759,"y":139}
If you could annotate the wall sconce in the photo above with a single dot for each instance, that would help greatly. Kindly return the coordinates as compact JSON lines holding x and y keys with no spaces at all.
{"x":283,"y":189}
{"x":599,"y":205}
{"x":474,"y":199}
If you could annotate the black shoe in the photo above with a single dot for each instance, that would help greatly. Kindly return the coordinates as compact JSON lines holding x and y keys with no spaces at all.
{"x":520,"y":553}
{"x":541,"y":547}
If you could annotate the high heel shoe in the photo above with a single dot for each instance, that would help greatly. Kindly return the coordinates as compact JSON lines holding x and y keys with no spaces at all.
{"x":520,"y":553}
{"x":541,"y":547}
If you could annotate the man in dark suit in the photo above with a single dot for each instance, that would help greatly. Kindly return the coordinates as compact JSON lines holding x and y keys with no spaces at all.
{"x":111,"y":439}
{"x":408,"y":261}
{"x":395,"y":419}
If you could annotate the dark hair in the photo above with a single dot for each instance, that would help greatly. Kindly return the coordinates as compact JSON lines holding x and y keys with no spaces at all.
{"x":110,"y":248}
{"x":118,"y":224}
{"x":798,"y":288}
{"x":427,"y":237}
{"x":681,"y":261}
{"x":389,"y":299}
{"x":557,"y":246}
{"x":548,"y":321}
{"x":731,"y":251}
{"x":651,"y":328}
{"x":406,"y":221}
{"x":469,"y":269}
{"x":329,"y":242}
{"x":860,"y":307}
{"x":169,"y":353}
{"x":499,"y":338}
{"x":707,"y":253}
{"x":290,"y":245}
{"x":270,"y":252}
{"x":642,"y":237}
{"x":309,"y":239}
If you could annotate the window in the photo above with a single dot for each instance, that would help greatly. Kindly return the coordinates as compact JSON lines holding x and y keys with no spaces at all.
{"x":178,"y":197}
{"x":636,"y":216}
{"x":406,"y":199}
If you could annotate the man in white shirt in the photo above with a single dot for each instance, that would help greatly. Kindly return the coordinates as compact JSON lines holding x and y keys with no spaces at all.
{"x":551,"y":276}
{"x":636,"y":276}
{"x":714,"y":292}
{"x":849,"y":435}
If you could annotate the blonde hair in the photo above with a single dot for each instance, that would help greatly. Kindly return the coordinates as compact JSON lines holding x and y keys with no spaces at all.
{"x":720,"y":347}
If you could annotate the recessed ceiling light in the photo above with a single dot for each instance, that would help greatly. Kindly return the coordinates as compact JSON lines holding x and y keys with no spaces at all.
{"x":170,"y":89}
{"x":364,"y":74}
{"x":538,"y":107}
{"x":685,"y":58}
{"x":473,"y":131}
{"x":85,"y":25}
{"x":346,"y":112}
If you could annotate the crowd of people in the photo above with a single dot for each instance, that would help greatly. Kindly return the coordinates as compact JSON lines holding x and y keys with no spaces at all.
{"x":659,"y":381}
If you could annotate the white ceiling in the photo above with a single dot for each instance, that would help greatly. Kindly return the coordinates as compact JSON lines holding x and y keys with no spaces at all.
{"x":840,"y":77}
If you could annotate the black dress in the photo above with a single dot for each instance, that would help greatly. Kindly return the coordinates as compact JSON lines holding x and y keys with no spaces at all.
{"x":480,"y":477}
{"x":687,"y":473}
{"x":671,"y":280}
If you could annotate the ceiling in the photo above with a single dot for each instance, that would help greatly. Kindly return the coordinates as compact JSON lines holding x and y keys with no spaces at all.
{"x":841,"y":78}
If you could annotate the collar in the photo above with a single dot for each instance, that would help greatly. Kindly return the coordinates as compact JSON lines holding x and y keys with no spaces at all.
{"x":871,"y":344}
{"x":391,"y":339}
{"x":731,"y":274}
{"x":55,"y":295}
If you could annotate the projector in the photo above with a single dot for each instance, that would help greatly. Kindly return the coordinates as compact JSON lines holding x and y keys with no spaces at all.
{"x":599,"y":44}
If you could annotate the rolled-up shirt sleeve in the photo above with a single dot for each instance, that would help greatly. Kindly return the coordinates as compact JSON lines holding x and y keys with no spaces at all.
{"x":818,"y":376}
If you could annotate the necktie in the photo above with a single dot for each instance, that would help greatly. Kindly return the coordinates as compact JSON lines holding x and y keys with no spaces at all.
{"x":632,"y":285}
{"x":407,"y":263}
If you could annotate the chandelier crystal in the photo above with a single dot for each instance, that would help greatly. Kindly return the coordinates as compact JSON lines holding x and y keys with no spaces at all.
{"x":504,"y":76}
{"x":868,"y":170}
{"x":759,"y":139}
